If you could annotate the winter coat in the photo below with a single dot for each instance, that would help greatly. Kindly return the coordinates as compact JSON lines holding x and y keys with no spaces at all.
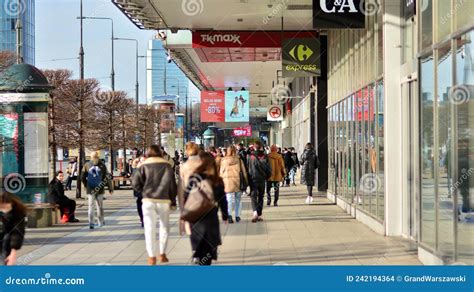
{"x":295,"y":159}
{"x":258,"y":164}
{"x":56,"y":193}
{"x":12,"y":232}
{"x":107,"y":179}
{"x":155,"y":180}
{"x":230,"y":173}
{"x":277,"y":165}
{"x":205,"y":233}
{"x":288,"y":161}
{"x":308,"y":166}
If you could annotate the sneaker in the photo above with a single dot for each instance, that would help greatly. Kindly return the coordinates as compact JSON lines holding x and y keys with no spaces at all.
{"x":310,"y":200}
{"x":307,"y":200}
{"x":268,"y":203}
{"x":237,"y":219}
{"x":151,"y":261}
{"x":64,"y":219}
{"x":275,"y":204}
{"x":229,"y":220}
{"x":73,"y":220}
{"x":254,"y":219}
{"x":259,"y":218}
{"x":91,"y":226}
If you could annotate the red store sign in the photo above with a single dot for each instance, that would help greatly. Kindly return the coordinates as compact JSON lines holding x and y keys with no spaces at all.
{"x":242,"y":131}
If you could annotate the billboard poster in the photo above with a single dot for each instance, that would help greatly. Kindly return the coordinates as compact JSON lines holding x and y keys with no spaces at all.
{"x":242,"y":131}
{"x":179,"y":126}
{"x":364,"y":104}
{"x":9,"y":143}
{"x":212,"y":106}
{"x":36,"y":144}
{"x":237,"y":107}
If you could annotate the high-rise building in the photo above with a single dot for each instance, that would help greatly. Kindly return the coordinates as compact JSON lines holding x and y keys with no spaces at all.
{"x":163,"y":77}
{"x":10,"y":12}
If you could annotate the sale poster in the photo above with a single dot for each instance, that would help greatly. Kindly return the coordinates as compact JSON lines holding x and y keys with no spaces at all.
{"x":212,"y":106}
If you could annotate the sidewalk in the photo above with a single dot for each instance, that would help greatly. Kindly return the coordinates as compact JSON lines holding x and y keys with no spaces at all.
{"x":292,"y":234}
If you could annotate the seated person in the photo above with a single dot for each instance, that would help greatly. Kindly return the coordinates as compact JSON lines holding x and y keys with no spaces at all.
{"x":56,"y":196}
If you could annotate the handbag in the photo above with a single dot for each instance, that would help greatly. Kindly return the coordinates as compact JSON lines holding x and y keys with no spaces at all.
{"x":199,"y":202}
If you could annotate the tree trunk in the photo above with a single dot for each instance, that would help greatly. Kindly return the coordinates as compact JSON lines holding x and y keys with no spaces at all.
{"x":111,"y":150}
{"x":124,"y":145}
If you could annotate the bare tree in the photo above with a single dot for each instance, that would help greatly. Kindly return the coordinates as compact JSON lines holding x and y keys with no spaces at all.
{"x":58,"y":79}
{"x":7,"y":59}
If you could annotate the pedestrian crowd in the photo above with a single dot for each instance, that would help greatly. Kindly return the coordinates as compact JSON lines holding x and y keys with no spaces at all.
{"x":199,"y":182}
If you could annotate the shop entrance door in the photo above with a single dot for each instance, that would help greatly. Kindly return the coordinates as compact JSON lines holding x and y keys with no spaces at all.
{"x":410,"y":157}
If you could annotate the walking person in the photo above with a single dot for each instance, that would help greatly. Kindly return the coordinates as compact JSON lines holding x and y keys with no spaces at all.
{"x":12,"y":228}
{"x":95,"y":178}
{"x":309,"y":164}
{"x":259,"y":172}
{"x":205,"y":232}
{"x":155,"y":180}
{"x":138,"y":195}
{"x":71,"y":173}
{"x":277,"y":166}
{"x":289,"y":163}
{"x":234,"y":175}
{"x":56,"y":195}
{"x":296,"y":165}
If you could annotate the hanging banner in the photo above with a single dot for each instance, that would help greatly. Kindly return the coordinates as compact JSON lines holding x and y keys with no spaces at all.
{"x":274,"y":113}
{"x":242,"y":131}
{"x":333,"y":14}
{"x":237,"y":107}
{"x":301,"y":57}
{"x":212,"y":106}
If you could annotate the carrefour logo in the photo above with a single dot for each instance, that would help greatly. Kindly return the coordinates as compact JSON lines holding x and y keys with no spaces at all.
{"x":301,"y":53}
{"x":340,"y":6}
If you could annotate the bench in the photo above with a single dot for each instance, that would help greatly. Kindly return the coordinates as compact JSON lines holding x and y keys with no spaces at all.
{"x":43,"y":215}
{"x":121,"y":179}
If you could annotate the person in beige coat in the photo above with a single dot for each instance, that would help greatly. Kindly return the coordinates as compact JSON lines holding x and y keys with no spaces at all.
{"x":278,"y":173}
{"x":231,"y":166}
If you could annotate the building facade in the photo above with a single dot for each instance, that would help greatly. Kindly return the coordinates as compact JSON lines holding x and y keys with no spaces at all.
{"x":163,"y":77}
{"x":400,"y":119}
{"x":10,"y":12}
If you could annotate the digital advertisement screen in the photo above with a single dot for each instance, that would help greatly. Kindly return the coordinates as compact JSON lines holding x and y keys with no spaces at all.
{"x":212,"y":106}
{"x":237,"y":107}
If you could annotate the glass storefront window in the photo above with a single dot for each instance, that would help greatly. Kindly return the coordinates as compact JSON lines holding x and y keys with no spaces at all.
{"x":426,"y":8}
{"x":445,"y":180}
{"x":463,"y":13}
{"x":462,"y":96}
{"x":428,"y":223}
{"x":380,"y":151}
{"x":443,"y":19}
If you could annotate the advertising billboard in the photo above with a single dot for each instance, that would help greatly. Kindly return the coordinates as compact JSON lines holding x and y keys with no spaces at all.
{"x":237,"y":107}
{"x":179,"y":125}
{"x":212,"y":106}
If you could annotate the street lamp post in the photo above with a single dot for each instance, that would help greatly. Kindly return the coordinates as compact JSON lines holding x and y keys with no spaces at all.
{"x":112,"y":72}
{"x":136,"y":68}
{"x":81,"y":108}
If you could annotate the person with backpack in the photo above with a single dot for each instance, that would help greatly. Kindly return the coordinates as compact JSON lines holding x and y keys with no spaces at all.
{"x":259,"y":172}
{"x":309,"y":164}
{"x":203,"y":195}
{"x":12,"y":228}
{"x":277,"y":166}
{"x":234,"y":174}
{"x":155,"y":180}
{"x":95,"y":178}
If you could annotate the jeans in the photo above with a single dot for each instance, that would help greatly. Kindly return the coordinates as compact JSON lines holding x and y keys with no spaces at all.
{"x":293,"y":174}
{"x":234,"y":198}
{"x":68,"y":207}
{"x":258,"y":191}
{"x":150,"y":212}
{"x":69,"y":183}
{"x":96,"y":201}
{"x":276,"y":186}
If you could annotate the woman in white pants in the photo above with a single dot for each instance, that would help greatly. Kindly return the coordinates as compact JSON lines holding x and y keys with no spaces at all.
{"x":155,"y":179}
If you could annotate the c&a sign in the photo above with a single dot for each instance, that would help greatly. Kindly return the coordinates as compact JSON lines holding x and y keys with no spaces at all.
{"x":339,"y":14}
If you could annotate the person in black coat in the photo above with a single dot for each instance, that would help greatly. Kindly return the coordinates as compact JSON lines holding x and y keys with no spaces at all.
{"x":56,"y":196}
{"x":12,"y":228}
{"x":309,"y":164}
{"x":289,"y":163}
{"x":205,"y":233}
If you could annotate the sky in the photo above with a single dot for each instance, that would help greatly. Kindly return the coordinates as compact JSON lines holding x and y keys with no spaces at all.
{"x":58,"y":37}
